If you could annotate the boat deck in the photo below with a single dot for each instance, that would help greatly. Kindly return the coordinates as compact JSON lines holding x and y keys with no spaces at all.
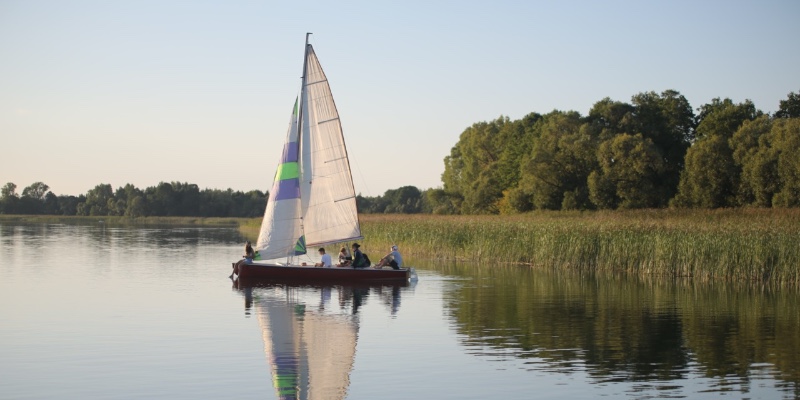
{"x":312,"y":273}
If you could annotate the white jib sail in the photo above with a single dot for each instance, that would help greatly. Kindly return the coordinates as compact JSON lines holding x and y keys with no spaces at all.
{"x":282,"y":226}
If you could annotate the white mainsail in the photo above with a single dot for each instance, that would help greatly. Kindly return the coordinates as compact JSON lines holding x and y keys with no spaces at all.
{"x":312,"y":201}
{"x":326,"y":185}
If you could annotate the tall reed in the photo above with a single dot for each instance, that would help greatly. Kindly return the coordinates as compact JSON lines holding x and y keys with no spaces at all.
{"x":742,"y":244}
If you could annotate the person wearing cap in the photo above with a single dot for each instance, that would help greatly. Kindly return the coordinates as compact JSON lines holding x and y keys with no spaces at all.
{"x":359,"y":261}
{"x":249,"y":254}
{"x":393,"y":259}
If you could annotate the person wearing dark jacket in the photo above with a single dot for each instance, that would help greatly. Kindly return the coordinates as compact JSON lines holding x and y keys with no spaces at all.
{"x":249,"y":254}
{"x":359,"y":260}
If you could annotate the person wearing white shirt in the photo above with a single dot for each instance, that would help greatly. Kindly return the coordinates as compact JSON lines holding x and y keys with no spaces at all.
{"x":393,"y":259}
{"x":326,"y":259}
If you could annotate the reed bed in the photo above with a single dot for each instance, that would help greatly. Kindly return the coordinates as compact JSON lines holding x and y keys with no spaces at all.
{"x":738,"y":245}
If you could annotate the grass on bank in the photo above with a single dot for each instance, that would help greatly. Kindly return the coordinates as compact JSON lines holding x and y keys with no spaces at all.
{"x":741,"y":244}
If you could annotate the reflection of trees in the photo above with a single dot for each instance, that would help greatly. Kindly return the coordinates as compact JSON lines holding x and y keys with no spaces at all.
{"x":640,"y":330}
{"x":730,"y":329}
{"x":104,"y":235}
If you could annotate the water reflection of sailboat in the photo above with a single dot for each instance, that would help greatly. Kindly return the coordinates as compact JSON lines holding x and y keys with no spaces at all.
{"x":309,"y":337}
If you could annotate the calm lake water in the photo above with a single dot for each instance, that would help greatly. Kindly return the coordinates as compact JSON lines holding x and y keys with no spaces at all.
{"x":108,"y":312}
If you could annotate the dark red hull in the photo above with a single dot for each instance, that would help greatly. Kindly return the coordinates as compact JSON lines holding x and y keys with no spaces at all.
{"x":305,"y":273}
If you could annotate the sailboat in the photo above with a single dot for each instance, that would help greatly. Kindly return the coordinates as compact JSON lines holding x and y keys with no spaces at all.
{"x":312,"y":202}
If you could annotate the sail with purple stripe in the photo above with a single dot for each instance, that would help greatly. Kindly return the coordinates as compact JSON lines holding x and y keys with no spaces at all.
{"x":282,"y":223}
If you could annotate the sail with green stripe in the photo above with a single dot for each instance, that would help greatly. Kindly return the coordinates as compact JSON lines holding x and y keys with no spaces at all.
{"x":282,"y":223}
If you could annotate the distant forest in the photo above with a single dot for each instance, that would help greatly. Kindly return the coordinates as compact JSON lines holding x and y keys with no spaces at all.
{"x":652,"y":152}
{"x":165,"y":199}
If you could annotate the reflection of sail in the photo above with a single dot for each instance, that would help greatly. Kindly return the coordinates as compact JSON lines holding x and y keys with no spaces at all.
{"x":331,"y":345}
{"x":310,"y":353}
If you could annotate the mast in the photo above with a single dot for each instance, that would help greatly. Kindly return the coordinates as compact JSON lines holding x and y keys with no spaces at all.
{"x":300,"y":119}
{"x":302,"y":88}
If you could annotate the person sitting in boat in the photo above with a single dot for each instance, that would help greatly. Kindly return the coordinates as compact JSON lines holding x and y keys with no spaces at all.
{"x":393,"y":259}
{"x":326,"y":259}
{"x":249,"y":254}
{"x":344,"y":258}
{"x":359,"y":260}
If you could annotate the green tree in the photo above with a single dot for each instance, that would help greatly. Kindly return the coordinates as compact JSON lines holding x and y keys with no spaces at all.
{"x":708,"y":180}
{"x":217,"y":203}
{"x":755,"y":156}
{"x":711,"y":176}
{"x":36,"y":191}
{"x":161,"y":200}
{"x":254,"y":203}
{"x":609,"y":118}
{"x":666,"y":119}
{"x":560,"y":161}
{"x":135,"y":207}
{"x":789,"y":108}
{"x":485,"y":161}
{"x":68,"y":205}
{"x":785,"y":139}
{"x":50,"y":204}
{"x":438,"y":201}
{"x":97,"y":200}
{"x":723,"y":117}
{"x":629,"y":165}
{"x":32,"y":199}
{"x":484,"y":193}
{"x":8,"y":190}
{"x":8,"y":198}
{"x":405,"y":200}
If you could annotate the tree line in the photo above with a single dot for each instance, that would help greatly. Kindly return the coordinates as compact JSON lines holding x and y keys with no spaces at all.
{"x":164,"y":199}
{"x":178,"y":199}
{"x":651,"y":152}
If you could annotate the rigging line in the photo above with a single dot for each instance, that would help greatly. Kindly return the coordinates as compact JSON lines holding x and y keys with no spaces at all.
{"x":327,"y":120}
{"x":326,"y":176}
{"x":315,"y":82}
{"x":345,"y":198}
{"x":354,"y":160}
{"x":335,"y":159}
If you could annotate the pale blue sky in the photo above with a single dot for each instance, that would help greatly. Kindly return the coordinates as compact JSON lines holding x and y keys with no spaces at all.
{"x":201,"y":91}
